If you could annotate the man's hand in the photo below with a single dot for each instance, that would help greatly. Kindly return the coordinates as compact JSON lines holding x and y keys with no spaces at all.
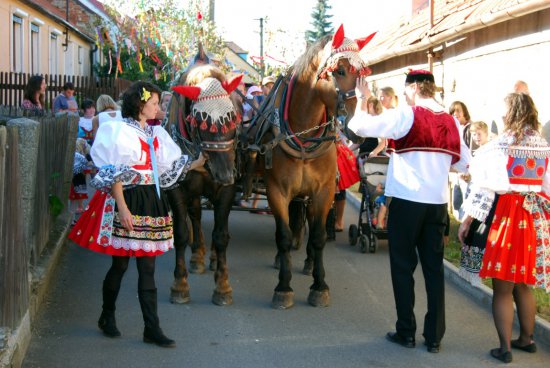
{"x":362,"y":90}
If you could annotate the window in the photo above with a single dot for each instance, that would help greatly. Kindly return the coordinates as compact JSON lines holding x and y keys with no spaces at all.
{"x":53,"y":53}
{"x":17,"y":44}
{"x":35,"y":49}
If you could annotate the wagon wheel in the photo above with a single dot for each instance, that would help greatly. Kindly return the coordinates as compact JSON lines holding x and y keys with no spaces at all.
{"x":353,"y":234}
{"x":373,"y":245}
{"x":364,"y":242}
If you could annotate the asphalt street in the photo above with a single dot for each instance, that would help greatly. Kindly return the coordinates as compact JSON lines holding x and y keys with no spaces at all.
{"x":249,"y":333}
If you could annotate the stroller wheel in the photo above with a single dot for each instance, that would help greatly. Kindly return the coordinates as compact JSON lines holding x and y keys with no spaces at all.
{"x":364,"y":243}
{"x":353,"y":234}
{"x":373,"y":245}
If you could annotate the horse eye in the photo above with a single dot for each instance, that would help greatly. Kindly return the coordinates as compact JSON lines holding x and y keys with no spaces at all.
{"x":341,"y":72}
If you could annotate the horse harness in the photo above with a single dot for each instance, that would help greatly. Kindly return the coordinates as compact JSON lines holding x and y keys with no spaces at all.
{"x":293,"y":144}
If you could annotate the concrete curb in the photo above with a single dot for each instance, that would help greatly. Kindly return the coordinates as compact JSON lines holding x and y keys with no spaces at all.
{"x":483,"y":295}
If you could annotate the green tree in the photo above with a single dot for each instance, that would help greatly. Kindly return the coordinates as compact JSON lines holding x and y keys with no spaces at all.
{"x":321,"y":23}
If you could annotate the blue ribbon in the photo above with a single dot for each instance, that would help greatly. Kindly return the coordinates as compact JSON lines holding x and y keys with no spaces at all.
{"x":150,"y":141}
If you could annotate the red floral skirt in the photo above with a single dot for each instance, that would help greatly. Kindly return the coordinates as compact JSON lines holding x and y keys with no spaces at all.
{"x":347,"y":166}
{"x":99,"y":229}
{"x":516,"y":242}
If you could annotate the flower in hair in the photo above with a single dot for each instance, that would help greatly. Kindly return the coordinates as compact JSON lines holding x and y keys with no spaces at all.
{"x":145,"y":95}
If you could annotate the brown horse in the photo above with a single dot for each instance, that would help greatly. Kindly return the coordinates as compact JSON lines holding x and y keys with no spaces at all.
{"x":319,"y":88}
{"x":202,"y":117}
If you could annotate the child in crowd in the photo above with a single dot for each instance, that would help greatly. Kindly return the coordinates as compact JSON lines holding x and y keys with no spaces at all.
{"x":82,"y":163}
{"x":85,"y":128}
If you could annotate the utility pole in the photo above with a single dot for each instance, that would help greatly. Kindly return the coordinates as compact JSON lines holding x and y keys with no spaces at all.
{"x":262,"y":65}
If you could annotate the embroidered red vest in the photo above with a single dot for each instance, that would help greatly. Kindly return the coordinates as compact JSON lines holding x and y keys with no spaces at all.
{"x":430,"y":132}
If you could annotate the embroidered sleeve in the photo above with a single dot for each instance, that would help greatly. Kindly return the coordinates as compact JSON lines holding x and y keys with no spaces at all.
{"x":110,"y":174}
{"x":478,"y":203}
{"x":80,"y":163}
{"x":177,"y":172}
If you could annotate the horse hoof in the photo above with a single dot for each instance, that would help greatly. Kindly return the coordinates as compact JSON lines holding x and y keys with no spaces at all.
{"x":308,"y":268}
{"x":222,"y":299}
{"x":196,"y":267}
{"x":282,"y":299}
{"x":319,"y":298}
{"x":180,"y":297}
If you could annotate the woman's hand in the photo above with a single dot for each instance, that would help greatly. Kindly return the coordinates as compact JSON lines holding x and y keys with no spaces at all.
{"x":125,"y":218}
{"x":198,"y":163}
{"x":464,"y":228}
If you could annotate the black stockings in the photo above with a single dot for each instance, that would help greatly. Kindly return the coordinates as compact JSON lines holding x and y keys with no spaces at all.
{"x":527,"y":309}
{"x":505,"y":293}
{"x":146,"y":272}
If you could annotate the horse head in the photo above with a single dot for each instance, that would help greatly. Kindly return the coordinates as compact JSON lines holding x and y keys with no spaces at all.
{"x":340,"y":65}
{"x":211,"y":120}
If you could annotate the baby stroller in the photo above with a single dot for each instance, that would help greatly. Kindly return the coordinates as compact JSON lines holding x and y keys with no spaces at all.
{"x":373,"y":174}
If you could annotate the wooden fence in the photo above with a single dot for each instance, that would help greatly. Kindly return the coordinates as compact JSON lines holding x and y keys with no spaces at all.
{"x":12,"y":87}
{"x":20,"y":245}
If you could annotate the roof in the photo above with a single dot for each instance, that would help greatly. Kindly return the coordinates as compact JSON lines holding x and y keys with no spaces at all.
{"x":235,"y":48}
{"x":452,"y":19}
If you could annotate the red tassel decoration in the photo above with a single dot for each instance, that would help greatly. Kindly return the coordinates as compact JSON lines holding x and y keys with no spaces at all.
{"x":213,"y":128}
{"x":204,"y":126}
{"x":193,"y":122}
{"x":224,"y":129}
{"x":232,"y":125}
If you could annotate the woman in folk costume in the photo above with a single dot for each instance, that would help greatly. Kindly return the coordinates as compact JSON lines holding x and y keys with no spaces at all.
{"x":517,"y":253}
{"x":129,"y":215}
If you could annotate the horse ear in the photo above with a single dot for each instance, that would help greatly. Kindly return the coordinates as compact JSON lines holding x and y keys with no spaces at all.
{"x":191,"y":92}
{"x":232,"y":84}
{"x":362,"y":42}
{"x":338,"y":37}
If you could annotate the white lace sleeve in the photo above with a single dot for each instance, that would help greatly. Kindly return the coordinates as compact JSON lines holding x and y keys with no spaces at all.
{"x":478,"y":203}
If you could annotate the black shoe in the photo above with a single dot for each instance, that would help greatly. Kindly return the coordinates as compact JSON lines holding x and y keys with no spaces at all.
{"x":107,"y":324}
{"x":505,"y":356}
{"x":407,"y":342}
{"x":432,"y":347}
{"x":157,"y":337}
{"x":530,"y":348}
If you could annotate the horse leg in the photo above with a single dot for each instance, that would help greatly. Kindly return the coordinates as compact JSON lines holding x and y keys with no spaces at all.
{"x":223,"y":293}
{"x":198,"y":249}
{"x":308,"y":262}
{"x":283,"y":296}
{"x":297,"y":215}
{"x":179,"y":291}
{"x":319,"y":295}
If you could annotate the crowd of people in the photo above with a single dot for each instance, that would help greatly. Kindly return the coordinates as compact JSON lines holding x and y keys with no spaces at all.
{"x":505,"y":185}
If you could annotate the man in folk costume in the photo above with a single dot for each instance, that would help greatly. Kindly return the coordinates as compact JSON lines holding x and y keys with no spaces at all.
{"x":425,"y":143}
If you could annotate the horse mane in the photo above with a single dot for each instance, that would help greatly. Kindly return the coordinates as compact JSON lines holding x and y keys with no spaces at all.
{"x":307,"y":64}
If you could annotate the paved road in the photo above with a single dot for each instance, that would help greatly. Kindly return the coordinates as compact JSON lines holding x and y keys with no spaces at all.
{"x":349,"y":333}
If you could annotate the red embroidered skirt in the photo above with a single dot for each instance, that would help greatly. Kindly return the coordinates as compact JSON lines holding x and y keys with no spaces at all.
{"x":99,"y":229}
{"x":511,"y":250}
{"x":347,"y":166}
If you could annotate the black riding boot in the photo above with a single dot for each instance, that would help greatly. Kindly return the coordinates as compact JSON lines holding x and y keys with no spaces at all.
{"x":107,"y":322}
{"x":152,"y":332}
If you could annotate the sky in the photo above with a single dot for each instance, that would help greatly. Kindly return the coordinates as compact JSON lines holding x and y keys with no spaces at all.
{"x":287,"y":20}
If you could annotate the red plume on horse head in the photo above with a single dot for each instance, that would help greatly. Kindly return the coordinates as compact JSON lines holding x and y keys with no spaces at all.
{"x":338,"y":37}
{"x":191,"y":92}
{"x":233,"y":83}
{"x":362,"y":42}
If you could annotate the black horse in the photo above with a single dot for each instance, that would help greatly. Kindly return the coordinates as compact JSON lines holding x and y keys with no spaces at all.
{"x":202,"y":117}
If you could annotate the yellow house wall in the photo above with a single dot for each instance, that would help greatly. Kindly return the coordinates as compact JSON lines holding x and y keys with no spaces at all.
{"x":47,"y":27}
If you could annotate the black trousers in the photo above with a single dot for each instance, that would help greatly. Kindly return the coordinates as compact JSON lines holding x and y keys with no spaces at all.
{"x":415,"y":231}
